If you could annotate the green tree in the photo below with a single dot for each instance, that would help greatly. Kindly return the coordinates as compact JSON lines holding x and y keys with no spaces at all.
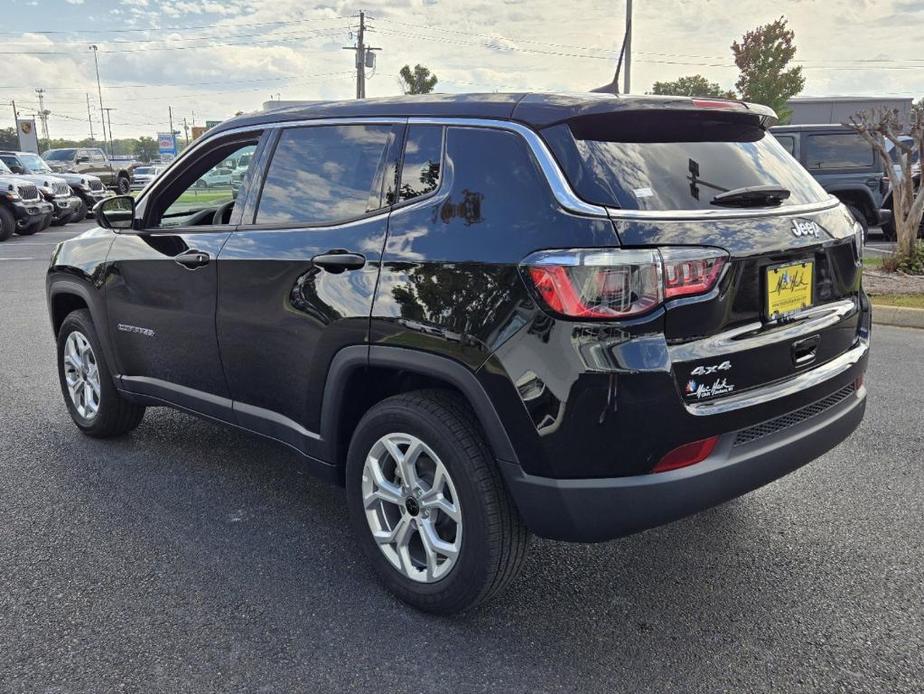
{"x":8,"y":138}
{"x":418,"y":81}
{"x":692,"y":85}
{"x":146,"y":148}
{"x":762,"y":56}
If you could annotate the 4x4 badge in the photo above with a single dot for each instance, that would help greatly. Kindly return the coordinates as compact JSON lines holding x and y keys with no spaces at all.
{"x":804,"y":228}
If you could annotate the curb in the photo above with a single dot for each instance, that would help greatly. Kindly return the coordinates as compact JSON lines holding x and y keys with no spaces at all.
{"x":898,"y":315}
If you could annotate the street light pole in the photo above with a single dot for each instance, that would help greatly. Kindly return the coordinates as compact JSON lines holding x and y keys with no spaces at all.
{"x":627,"y":75}
{"x":108,"y":110}
{"x":99,"y":90}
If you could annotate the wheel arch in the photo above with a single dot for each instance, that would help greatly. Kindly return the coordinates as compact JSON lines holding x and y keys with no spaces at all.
{"x":393,"y":370}
{"x":67,"y":294}
{"x":858,"y":196}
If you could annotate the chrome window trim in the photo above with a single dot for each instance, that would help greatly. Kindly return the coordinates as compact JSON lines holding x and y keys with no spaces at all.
{"x":705,"y":215}
{"x":556,"y":179}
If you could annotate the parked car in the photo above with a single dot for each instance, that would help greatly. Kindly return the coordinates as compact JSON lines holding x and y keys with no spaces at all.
{"x":93,"y":161}
{"x":66,"y":192}
{"x":240,"y":168}
{"x":22,"y":209}
{"x":582,"y":316}
{"x":144,"y":175}
{"x":844,"y":164}
{"x":216,"y":178}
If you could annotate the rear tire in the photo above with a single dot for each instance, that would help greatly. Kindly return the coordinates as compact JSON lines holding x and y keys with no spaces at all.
{"x":123,"y":185}
{"x":453,"y":484}
{"x":861,"y":220}
{"x":7,"y":224}
{"x":81,"y":213}
{"x":86,"y":381}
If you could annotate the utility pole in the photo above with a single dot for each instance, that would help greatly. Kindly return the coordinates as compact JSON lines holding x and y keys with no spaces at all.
{"x":627,"y":77}
{"x":15,"y":116}
{"x":364,"y":57}
{"x":186,"y":130}
{"x":90,"y":118}
{"x":43,"y":114}
{"x":108,"y":111}
{"x":99,"y":90}
{"x":172,"y":131}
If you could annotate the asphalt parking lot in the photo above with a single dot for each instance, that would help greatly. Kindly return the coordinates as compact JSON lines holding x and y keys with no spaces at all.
{"x":191,"y":557}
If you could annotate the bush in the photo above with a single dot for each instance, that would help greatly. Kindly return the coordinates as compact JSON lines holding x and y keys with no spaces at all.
{"x":910,"y":265}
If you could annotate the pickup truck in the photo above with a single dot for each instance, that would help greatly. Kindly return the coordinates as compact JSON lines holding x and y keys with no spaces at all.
{"x":90,"y":160}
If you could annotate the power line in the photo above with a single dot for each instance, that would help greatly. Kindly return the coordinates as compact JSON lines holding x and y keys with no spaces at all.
{"x":173,"y":28}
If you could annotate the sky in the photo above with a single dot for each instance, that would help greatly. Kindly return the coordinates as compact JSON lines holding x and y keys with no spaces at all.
{"x":208,"y":59}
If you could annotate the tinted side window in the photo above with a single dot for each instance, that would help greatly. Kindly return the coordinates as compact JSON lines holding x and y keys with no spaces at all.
{"x":788,"y":142}
{"x":325,"y":174}
{"x":423,"y":154}
{"x":838,"y":151}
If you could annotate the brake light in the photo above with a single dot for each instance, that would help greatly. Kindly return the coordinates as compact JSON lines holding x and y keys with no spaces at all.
{"x":690,"y":271}
{"x":720,"y":105}
{"x":687,"y":454}
{"x":621,"y":283}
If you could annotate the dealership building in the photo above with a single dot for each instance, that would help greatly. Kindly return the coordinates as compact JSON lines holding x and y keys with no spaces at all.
{"x":839,"y":109}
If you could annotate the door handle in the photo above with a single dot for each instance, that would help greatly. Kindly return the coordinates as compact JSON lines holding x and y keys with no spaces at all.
{"x":192,"y":259}
{"x":339,"y":260}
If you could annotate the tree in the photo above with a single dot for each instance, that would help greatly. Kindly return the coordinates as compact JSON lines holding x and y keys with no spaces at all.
{"x":420,"y":81}
{"x":692,"y":85}
{"x":8,"y":138}
{"x":762,"y":57}
{"x":146,"y":148}
{"x":876,"y":127}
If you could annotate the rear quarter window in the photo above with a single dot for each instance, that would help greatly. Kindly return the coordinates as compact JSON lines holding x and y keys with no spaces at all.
{"x":838,"y":151}
{"x":674,"y":160}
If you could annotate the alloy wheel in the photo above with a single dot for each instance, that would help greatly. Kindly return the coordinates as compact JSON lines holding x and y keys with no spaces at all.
{"x":412,"y":507}
{"x":81,"y":374}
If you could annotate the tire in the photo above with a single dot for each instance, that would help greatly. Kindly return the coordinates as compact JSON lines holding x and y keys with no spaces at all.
{"x":123,"y":185}
{"x":112,"y":414}
{"x":81,"y":213}
{"x":30,"y":229}
{"x":60,"y":221}
{"x":861,"y":219}
{"x":46,"y":222}
{"x":7,"y":224}
{"x":490,"y":551}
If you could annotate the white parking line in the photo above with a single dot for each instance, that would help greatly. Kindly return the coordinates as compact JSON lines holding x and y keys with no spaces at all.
{"x":17,"y":258}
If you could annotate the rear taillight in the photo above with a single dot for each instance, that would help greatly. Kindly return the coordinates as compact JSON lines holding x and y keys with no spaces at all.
{"x":621,"y":283}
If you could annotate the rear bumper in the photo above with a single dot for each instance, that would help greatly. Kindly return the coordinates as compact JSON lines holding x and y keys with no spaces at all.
{"x":594,"y":510}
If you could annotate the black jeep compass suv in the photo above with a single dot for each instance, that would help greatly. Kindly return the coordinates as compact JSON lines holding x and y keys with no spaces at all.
{"x":576,"y":315}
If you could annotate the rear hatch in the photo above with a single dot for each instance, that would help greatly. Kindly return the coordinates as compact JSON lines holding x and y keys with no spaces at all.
{"x":788,"y":296}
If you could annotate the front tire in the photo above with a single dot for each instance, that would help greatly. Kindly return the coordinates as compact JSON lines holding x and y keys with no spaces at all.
{"x":30,"y":229}
{"x":123,"y":185}
{"x":7,"y":224}
{"x":86,"y":381}
{"x":428,"y":505}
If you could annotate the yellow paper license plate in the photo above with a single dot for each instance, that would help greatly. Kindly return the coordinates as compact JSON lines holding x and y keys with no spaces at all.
{"x":789,"y":288}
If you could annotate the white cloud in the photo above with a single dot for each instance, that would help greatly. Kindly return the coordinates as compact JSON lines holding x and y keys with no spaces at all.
{"x":293,"y":49}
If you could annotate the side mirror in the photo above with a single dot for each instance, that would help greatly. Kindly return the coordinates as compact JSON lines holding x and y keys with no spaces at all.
{"x":115,"y":213}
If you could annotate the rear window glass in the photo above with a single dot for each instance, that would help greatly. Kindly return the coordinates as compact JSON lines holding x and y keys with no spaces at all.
{"x":838,"y":151}
{"x":674,"y":161}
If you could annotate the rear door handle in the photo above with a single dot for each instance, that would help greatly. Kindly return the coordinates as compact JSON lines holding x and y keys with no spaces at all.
{"x":193,"y":259}
{"x":339,"y":260}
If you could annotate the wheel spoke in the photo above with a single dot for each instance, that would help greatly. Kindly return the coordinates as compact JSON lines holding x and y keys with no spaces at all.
{"x":384,"y":489}
{"x":439,"y":546}
{"x":397,"y":535}
{"x":441,"y":504}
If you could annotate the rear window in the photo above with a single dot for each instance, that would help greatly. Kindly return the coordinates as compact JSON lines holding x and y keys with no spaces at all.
{"x":838,"y":151}
{"x":59,"y":154}
{"x":670,"y":160}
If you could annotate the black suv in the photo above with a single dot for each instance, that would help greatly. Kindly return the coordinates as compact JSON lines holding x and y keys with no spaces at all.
{"x":845,"y":165}
{"x":581,"y":316}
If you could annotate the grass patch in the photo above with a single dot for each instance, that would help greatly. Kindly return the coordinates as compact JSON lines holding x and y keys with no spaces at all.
{"x":903,"y":300}
{"x":873,"y":262}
